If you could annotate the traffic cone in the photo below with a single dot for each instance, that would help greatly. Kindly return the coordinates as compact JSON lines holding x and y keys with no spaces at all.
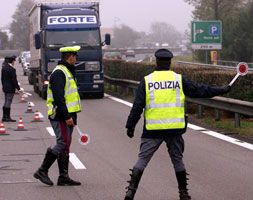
{"x":36,"y":117}
{"x":20,"y":126}
{"x":29,"y":108}
{"x":2,"y":129}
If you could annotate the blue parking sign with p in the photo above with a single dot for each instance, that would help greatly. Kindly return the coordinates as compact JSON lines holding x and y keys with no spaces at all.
{"x":214,"y":30}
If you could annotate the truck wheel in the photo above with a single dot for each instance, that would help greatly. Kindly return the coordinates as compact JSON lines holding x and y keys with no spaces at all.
{"x":30,"y":82}
{"x":35,"y":88}
{"x":30,"y":79}
{"x":39,"y":93}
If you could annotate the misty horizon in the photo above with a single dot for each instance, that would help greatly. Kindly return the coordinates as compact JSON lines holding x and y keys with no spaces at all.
{"x":113,"y":14}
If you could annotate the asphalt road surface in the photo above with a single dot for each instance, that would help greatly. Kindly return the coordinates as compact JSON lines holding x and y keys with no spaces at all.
{"x":218,"y":169}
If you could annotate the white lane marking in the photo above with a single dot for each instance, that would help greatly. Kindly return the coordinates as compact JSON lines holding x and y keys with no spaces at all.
{"x":202,"y":130}
{"x":75,"y":161}
{"x":50,"y":130}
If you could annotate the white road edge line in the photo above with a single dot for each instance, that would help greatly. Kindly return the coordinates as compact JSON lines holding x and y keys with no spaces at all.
{"x":72,"y":157}
{"x":75,"y":161}
{"x":229,"y":139}
{"x":198,"y":128}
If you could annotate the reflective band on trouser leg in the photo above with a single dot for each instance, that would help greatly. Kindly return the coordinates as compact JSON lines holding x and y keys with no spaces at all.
{"x":164,"y":101}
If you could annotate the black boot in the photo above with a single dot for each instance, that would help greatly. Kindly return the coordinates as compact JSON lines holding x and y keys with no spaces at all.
{"x":182,"y":185}
{"x":63,"y":164}
{"x":4,"y":119}
{"x":42,"y":172}
{"x":8,"y":115}
{"x":133,"y":183}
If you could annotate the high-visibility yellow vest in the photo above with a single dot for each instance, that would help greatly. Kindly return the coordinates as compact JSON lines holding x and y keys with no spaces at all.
{"x":164,"y":101}
{"x":72,"y":98}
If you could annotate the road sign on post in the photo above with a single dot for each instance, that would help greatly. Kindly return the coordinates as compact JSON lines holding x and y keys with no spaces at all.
{"x":206,"y":35}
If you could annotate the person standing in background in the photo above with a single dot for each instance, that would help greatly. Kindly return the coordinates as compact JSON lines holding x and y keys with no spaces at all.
{"x":9,"y":86}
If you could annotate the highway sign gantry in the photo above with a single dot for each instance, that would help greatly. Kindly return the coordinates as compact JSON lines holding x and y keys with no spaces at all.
{"x":206,"y":35}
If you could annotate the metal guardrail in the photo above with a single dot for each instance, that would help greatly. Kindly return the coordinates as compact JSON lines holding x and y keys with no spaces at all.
{"x":235,"y":106}
{"x":210,"y":65}
{"x":231,"y":63}
{"x":141,"y":50}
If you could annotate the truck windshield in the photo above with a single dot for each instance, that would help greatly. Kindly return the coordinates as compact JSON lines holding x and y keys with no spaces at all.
{"x":56,"y":38}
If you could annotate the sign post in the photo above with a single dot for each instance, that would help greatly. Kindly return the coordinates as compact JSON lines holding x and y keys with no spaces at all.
{"x":206,"y":35}
{"x":214,"y":57}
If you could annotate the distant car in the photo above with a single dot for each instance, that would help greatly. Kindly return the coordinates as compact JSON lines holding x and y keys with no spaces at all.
{"x":25,"y":65}
{"x":164,"y":45}
{"x":22,"y":56}
{"x":115,"y":55}
{"x":130,"y":53}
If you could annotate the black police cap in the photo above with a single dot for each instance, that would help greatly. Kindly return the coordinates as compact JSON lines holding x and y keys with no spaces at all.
{"x":13,"y":57}
{"x":163,"y":54}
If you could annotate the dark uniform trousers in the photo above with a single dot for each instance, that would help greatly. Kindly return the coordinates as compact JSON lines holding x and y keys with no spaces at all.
{"x":8,"y":97}
{"x":63,"y":137}
{"x":175,"y":146}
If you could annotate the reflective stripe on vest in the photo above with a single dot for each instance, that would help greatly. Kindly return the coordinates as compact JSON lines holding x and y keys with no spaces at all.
{"x":71,"y":94}
{"x":164,"y":101}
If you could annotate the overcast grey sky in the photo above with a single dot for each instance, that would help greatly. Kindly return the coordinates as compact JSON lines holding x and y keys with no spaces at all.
{"x":138,"y":14}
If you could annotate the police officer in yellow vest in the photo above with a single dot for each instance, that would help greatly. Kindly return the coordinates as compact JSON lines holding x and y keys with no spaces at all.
{"x":63,"y":103}
{"x":161,"y":95}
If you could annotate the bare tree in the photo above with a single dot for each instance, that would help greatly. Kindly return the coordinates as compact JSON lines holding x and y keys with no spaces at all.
{"x":3,"y":40}
{"x":124,"y":36}
{"x":162,"y":32}
{"x":20,"y":25}
{"x":215,"y":9}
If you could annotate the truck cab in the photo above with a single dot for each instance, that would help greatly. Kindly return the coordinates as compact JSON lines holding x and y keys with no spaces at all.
{"x":68,"y":25}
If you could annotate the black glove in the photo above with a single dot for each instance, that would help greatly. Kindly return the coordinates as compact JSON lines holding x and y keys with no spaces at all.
{"x":130,"y":132}
{"x":226,"y":88}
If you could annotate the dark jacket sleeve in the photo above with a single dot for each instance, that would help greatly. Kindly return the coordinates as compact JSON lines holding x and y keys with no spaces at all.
{"x":14,"y":79}
{"x":57,"y":84}
{"x":195,"y":90}
{"x":138,"y":106}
